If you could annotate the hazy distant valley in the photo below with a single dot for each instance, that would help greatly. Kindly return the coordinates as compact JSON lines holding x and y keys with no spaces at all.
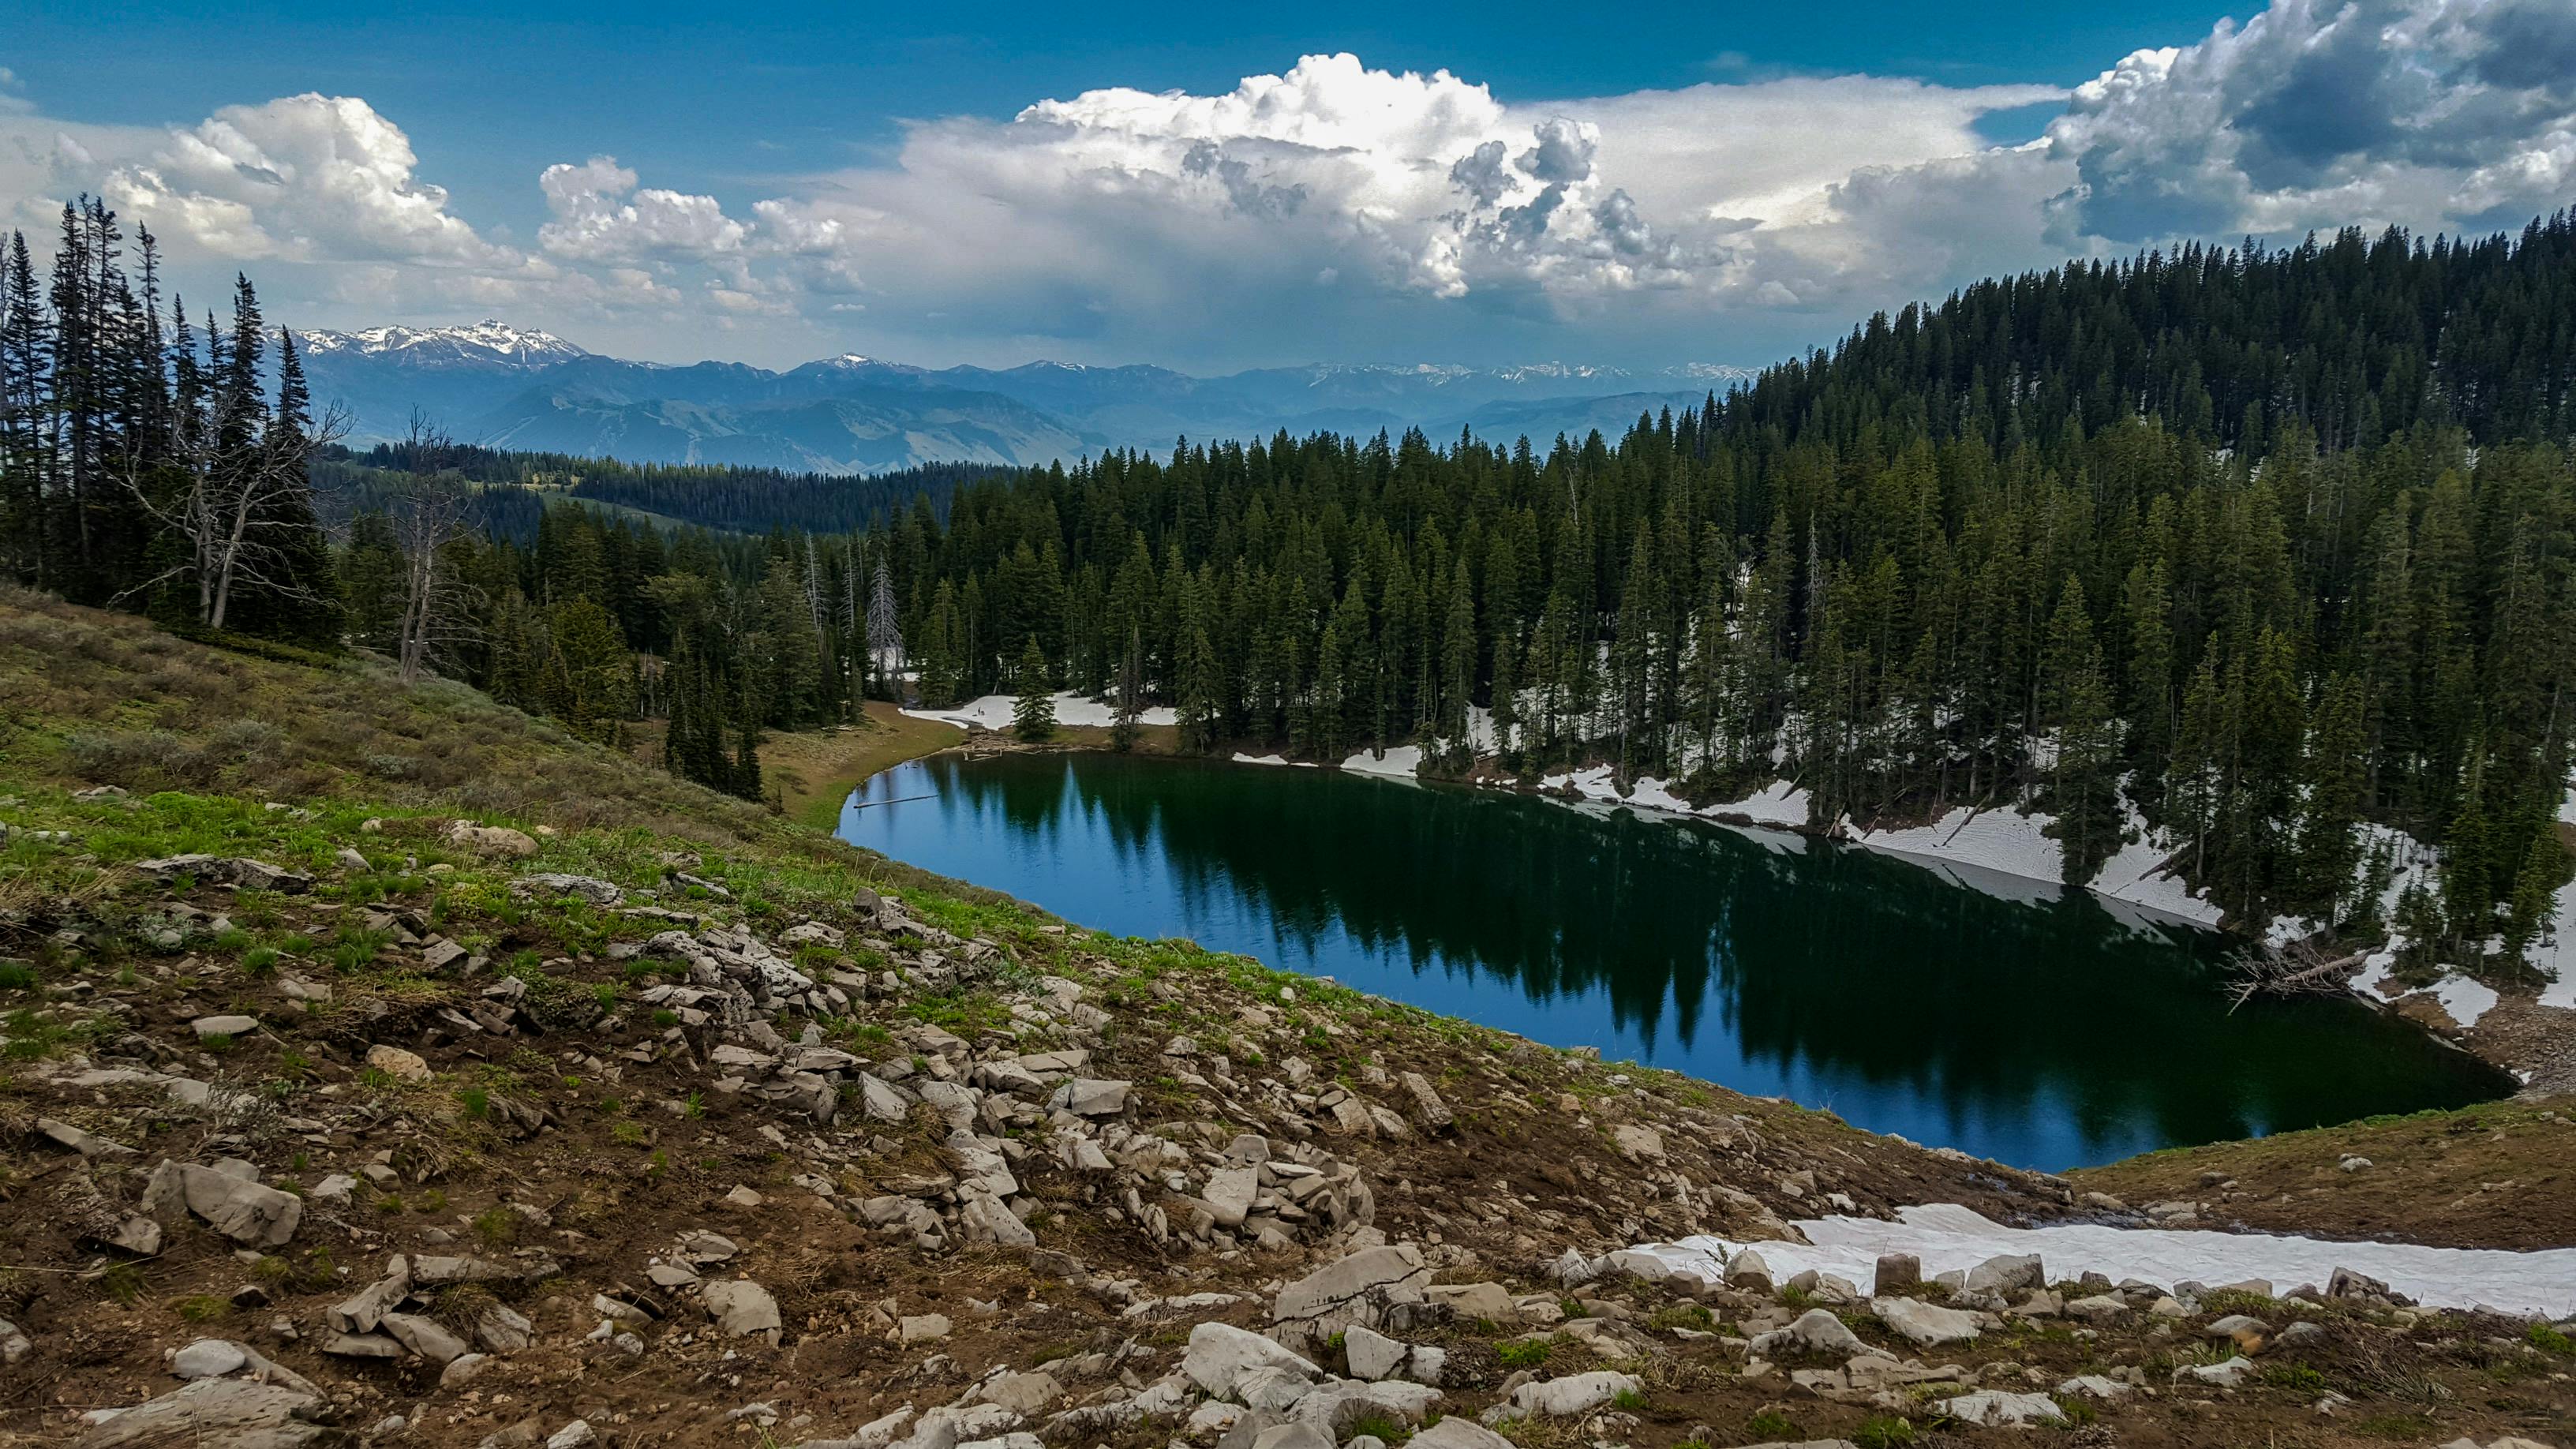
{"x":510,"y":388}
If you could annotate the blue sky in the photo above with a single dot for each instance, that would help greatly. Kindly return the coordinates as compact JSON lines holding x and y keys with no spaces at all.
{"x":1731,"y":182}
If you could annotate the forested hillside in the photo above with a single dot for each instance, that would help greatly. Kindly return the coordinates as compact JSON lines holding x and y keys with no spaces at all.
{"x":2249,"y":546}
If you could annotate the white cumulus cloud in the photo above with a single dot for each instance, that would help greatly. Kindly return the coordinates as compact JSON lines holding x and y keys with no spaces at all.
{"x":299,"y":178}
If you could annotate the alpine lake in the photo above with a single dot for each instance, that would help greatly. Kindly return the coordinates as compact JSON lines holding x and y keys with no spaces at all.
{"x":2008,"y":1018}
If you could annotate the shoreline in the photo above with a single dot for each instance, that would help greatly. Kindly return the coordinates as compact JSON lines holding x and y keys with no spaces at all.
{"x":2528,"y":1037}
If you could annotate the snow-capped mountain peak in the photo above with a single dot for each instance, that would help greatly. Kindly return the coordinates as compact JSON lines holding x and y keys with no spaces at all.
{"x":487,"y":341}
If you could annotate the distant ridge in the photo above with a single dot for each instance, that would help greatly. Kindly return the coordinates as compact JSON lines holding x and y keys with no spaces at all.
{"x":495,"y":383}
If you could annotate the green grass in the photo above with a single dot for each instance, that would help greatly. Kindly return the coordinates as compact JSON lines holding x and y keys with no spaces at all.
{"x":1884,"y":1431}
{"x":1771,"y":1424}
{"x":1522,"y":1353}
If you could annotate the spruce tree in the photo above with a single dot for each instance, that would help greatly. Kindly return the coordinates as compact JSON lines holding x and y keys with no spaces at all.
{"x":1033,"y":714}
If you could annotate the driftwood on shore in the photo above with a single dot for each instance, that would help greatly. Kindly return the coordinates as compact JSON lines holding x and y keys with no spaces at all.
{"x":2298,"y":969}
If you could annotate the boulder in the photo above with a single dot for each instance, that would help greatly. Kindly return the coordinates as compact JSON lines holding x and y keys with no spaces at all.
{"x":1458,"y":1432}
{"x":1816,"y":1331}
{"x":1340,"y":1404}
{"x":1429,"y":1111}
{"x":209,"y":1358}
{"x":1025,"y":1394}
{"x":1372,"y":1354}
{"x":1995,"y":1409}
{"x":424,"y":1336}
{"x":1923,"y":1324}
{"x":1638,"y":1143}
{"x":1896,"y":1273}
{"x":86,"y":1143}
{"x":1357,"y":1289}
{"x":217,"y":1413}
{"x":1091,"y":1097}
{"x":555,"y":885}
{"x":503,"y":1329}
{"x":1220,"y":1354}
{"x":234,"y":1205}
{"x":1292,"y":1436}
{"x":741,"y":1307}
{"x":2251,"y":1335}
{"x":227,"y":1026}
{"x":2235,"y":1373}
{"x":2010,"y":1275}
{"x":401,"y":1065}
{"x":1488,"y":1301}
{"x":491,"y":839}
{"x":2099,"y":1309}
{"x":1565,"y":1397}
{"x":239,"y":871}
{"x":1229,"y":1194}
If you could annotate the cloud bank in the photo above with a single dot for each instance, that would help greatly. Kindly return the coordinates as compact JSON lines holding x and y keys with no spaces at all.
{"x":1339,"y":212}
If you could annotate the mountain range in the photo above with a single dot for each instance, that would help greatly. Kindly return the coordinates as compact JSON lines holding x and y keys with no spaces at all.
{"x":509,"y":387}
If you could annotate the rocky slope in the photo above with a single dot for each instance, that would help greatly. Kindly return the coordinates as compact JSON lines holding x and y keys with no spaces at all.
{"x":335,"y":1111}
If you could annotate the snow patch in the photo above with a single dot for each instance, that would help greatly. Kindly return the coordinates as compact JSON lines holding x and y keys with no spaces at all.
{"x":1244,"y":759}
{"x":1946,"y":1236}
{"x":1404,"y":762}
{"x":993,"y":712}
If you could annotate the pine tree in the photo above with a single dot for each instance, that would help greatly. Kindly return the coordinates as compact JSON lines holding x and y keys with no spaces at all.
{"x":1130,"y":692}
{"x":2083,"y":790}
{"x":1033,"y":714}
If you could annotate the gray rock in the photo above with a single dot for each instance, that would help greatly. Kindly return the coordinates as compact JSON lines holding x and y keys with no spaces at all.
{"x":924,"y":1328}
{"x":2235,"y":1373}
{"x":1428,"y":1110}
{"x":1338,"y":1405}
{"x":1357,"y":1289}
{"x":491,"y":839}
{"x":503,"y":1329}
{"x":1091,"y":1097}
{"x":1372,"y":1354}
{"x":239,"y":871}
{"x":1923,"y":1324}
{"x":1816,"y":1331}
{"x":228,"y":1025}
{"x":395,"y":1062}
{"x":209,"y":1358}
{"x":424,"y":1336}
{"x":234,"y":1205}
{"x":1025,"y":1394}
{"x":1995,"y":1409}
{"x":2009,"y":1276}
{"x":86,"y":1143}
{"x":555,"y":885}
{"x":880,"y":1099}
{"x":1488,"y":1301}
{"x":1229,"y":1194}
{"x":464,"y":1369}
{"x":741,"y":1307}
{"x":1220,"y":1354}
{"x":1457,"y":1431}
{"x":1896,"y":1273}
{"x":220,"y":1413}
{"x":1561,"y":1398}
{"x":1291,"y":1436}
{"x":2098,"y":1309}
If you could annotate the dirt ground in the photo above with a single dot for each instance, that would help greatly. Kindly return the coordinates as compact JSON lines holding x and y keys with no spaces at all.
{"x":2499,"y":1175}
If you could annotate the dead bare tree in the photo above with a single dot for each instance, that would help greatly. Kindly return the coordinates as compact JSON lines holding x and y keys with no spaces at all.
{"x":225,"y":505}
{"x":436,"y":600}
{"x":2298,"y":969}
